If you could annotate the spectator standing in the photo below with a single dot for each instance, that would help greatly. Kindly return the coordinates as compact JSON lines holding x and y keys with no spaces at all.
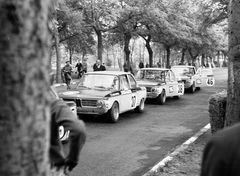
{"x":79,"y":69}
{"x":147,"y":65}
{"x":98,"y":66}
{"x":84,"y":66}
{"x":61,"y":115}
{"x":221,"y":155}
{"x":67,"y":70}
{"x":141,"y":65}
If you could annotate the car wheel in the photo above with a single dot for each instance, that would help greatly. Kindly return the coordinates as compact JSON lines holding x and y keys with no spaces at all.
{"x":161,"y":99}
{"x":63,"y":134}
{"x":192,"y":88}
{"x":113,"y":113}
{"x":141,"y":106}
{"x":198,"y":88}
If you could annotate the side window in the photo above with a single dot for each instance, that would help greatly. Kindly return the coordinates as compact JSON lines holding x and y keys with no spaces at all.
{"x":133,"y":83}
{"x":124,"y":85}
{"x":172,"y":76}
{"x":115,"y":84}
{"x":167,"y":76}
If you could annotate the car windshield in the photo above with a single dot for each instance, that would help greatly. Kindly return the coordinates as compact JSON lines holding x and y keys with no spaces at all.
{"x":205,"y":71}
{"x":93,"y":81}
{"x":180,"y":71}
{"x":154,"y":75}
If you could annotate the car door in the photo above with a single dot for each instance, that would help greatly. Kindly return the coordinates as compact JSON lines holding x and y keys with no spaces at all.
{"x":126,"y":93}
{"x":171,"y":84}
{"x":136,"y":92}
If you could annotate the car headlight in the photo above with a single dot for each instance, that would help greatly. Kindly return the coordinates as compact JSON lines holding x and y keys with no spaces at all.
{"x":156,"y":89}
{"x":102,"y":104}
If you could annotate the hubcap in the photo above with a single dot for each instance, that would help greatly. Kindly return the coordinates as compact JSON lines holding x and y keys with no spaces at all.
{"x":115,"y":111}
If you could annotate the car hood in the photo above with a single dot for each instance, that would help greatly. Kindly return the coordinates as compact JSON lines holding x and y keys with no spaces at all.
{"x":85,"y":93}
{"x":184,"y":77}
{"x":146,"y":83}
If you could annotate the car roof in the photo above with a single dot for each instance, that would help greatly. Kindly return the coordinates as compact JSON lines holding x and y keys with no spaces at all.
{"x":160,"y":69}
{"x":108,"y":73}
{"x":182,"y":66}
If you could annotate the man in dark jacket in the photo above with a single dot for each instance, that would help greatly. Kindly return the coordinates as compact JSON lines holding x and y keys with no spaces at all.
{"x":61,"y":115}
{"x":79,"y":68}
{"x":221,"y":155}
{"x":141,"y":65}
{"x":67,"y":70}
{"x":98,"y":66}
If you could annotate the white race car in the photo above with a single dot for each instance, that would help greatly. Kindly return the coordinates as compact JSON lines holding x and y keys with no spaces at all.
{"x":194,"y":79}
{"x":160,"y":83}
{"x":106,"y":92}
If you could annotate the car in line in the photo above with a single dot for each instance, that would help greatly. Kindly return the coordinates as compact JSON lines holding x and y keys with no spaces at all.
{"x":193,"y":79}
{"x":108,"y":93}
{"x":160,"y":83}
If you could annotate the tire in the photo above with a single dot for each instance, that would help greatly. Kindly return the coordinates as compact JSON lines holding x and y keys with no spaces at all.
{"x":63,"y":135}
{"x":141,"y":107}
{"x":192,"y":88}
{"x":161,"y":99}
{"x":113,"y":113}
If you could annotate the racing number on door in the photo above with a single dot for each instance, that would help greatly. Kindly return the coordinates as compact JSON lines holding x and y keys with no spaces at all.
{"x":133,"y":101}
{"x":210,"y":81}
{"x":180,"y":88}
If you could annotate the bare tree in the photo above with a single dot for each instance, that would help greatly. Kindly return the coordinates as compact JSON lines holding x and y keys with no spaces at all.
{"x":25,"y":42}
{"x":233,"y":99}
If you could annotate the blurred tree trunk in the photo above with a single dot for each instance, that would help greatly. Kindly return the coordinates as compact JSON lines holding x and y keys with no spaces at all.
{"x":233,"y":98}
{"x":100,"y":43}
{"x":150,"y":51}
{"x":168,"y":65}
{"x":57,"y":48}
{"x":25,"y":44}
{"x":127,"y":51}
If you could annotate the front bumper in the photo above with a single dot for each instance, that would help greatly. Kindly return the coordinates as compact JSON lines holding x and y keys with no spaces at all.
{"x":152,"y":95}
{"x":91,"y":110}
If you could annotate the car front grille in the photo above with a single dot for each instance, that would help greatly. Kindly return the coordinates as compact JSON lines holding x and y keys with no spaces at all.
{"x":77,"y":101}
{"x":149,"y":89}
{"x":92,"y":103}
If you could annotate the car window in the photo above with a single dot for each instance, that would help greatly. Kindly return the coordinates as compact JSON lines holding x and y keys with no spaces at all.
{"x":173,"y":78}
{"x":168,"y":76}
{"x":153,"y":75}
{"x":133,"y":83}
{"x":124,"y":84}
{"x":115,"y":83}
{"x":97,"y":81}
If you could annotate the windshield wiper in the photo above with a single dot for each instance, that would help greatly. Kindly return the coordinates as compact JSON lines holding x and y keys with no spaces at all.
{"x":101,"y":87}
{"x":85,"y":87}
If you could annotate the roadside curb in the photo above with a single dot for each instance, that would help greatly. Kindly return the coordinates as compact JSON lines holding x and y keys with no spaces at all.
{"x":179,"y":149}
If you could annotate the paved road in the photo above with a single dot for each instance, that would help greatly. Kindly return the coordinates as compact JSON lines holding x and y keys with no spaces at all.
{"x":138,"y":141}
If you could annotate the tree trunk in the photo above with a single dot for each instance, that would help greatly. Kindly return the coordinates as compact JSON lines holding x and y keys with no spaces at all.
{"x":126,"y":47}
{"x":168,"y":56}
{"x":25,"y":44}
{"x":233,"y":98}
{"x":58,"y":53}
{"x":203,"y":60}
{"x":183,"y":55}
{"x":100,"y":44}
{"x":150,"y":51}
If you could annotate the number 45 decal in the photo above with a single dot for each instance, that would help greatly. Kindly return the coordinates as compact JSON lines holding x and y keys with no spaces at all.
{"x":133,"y":101}
{"x":210,"y":81}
